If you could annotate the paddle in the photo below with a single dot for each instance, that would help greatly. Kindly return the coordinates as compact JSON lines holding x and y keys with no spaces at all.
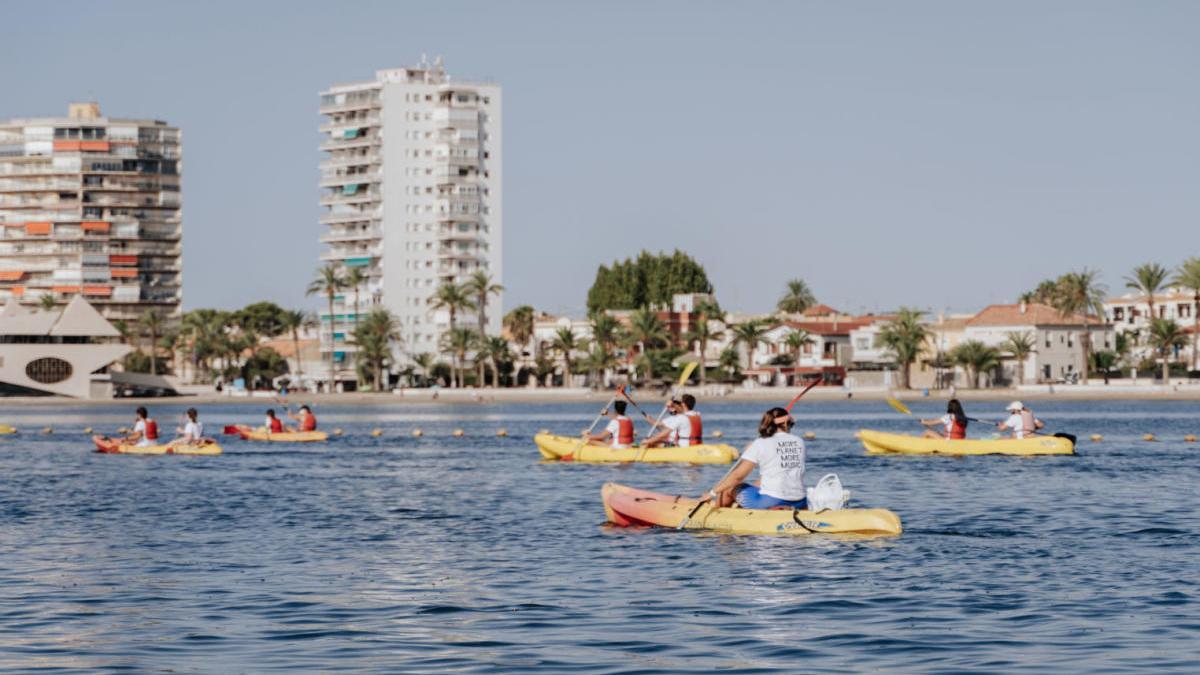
{"x":683,"y":377}
{"x":702,"y":502}
{"x":595,"y":422}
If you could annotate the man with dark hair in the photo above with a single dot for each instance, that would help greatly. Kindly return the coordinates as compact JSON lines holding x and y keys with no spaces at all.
{"x":619,"y":431}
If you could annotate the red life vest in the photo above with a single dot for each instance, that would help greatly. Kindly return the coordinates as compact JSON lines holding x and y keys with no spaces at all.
{"x":309,"y":423}
{"x":956,"y":430}
{"x":624,"y":430}
{"x":276,"y":425}
{"x":696,"y":435}
{"x":151,"y":433}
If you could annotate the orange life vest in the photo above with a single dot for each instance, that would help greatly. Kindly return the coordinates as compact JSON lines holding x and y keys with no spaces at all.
{"x":624,"y":430}
{"x":696,"y":435}
{"x":276,"y":425}
{"x":309,"y":423}
{"x":151,"y":430}
{"x":956,"y":430}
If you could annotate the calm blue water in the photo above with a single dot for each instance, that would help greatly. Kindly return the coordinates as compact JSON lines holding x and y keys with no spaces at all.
{"x":468,"y":555}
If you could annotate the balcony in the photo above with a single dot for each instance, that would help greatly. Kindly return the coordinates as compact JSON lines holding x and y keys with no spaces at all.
{"x":341,"y":159}
{"x":353,"y":235}
{"x":370,"y":120}
{"x":349,"y":143}
{"x":332,"y":179}
{"x":366,"y":215}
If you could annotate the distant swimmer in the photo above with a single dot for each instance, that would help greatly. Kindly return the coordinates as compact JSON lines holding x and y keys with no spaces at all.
{"x":953,"y":423}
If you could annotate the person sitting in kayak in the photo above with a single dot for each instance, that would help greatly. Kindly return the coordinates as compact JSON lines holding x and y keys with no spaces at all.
{"x":192,"y":432}
{"x":779,"y":456}
{"x":953,"y":423}
{"x":273,"y":424}
{"x":1021,"y":421}
{"x":307,"y":420}
{"x":145,"y":430}
{"x":683,"y":428}
{"x":619,"y":431}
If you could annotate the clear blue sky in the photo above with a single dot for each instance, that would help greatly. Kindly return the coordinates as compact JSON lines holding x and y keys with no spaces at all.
{"x":940,"y":154}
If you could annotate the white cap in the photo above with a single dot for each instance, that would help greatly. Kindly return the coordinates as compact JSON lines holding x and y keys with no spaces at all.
{"x":1015,"y":405}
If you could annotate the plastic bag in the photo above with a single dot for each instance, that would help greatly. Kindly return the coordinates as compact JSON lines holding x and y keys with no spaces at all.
{"x":827,"y":494}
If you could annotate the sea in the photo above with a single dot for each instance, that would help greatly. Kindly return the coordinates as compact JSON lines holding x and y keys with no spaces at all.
{"x":399,"y":553}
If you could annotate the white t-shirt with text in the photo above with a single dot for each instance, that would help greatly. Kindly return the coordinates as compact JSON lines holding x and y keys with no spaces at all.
{"x":780,"y":461}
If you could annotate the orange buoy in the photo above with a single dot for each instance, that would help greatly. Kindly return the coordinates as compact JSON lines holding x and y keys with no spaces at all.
{"x":417,"y":433}
{"x":87,"y":430}
{"x":502,"y":432}
{"x":377,"y":432}
{"x":457,"y":433}
{"x":47,"y":430}
{"x":1190,"y":438}
{"x":337,"y":432}
{"x":1148,"y":437}
{"x":718,"y":434}
{"x":808,"y":436}
{"x":1097,"y":437}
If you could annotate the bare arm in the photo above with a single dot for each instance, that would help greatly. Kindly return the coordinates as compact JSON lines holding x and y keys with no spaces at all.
{"x":734,"y":477}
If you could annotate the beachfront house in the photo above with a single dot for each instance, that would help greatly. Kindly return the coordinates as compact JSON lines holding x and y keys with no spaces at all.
{"x":1058,"y":352}
{"x":1130,"y":314}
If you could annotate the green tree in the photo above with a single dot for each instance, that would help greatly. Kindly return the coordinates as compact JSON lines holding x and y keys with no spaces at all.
{"x":424,"y":361}
{"x":1165,"y":337}
{"x":1081,"y":293}
{"x":1188,"y":276}
{"x":261,"y":319}
{"x":600,"y":360}
{"x":375,"y":338}
{"x":457,"y":342}
{"x":606,"y":330}
{"x":265,"y":364}
{"x":519,"y":324}
{"x":292,"y":321}
{"x":647,"y":332}
{"x":749,"y":333}
{"x":904,"y":337}
{"x":47,"y":302}
{"x":496,"y":350}
{"x":1150,"y":280}
{"x":797,"y":298}
{"x":1103,"y":362}
{"x":648,"y":280}
{"x":453,"y":298}
{"x":796,"y":341}
{"x":565,"y":342}
{"x":701,"y":331}
{"x":730,"y":361}
{"x":1020,"y":344}
{"x":356,"y":277}
{"x":480,"y":285}
{"x":329,"y":282}
{"x":976,"y":357}
{"x":152,"y":322}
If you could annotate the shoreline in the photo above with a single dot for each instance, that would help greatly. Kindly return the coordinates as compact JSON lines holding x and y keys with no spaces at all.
{"x":1182,"y":392}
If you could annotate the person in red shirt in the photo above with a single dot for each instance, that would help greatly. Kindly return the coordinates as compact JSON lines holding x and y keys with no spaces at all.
{"x":953,"y":424}
{"x":619,"y":432}
{"x":273,"y":424}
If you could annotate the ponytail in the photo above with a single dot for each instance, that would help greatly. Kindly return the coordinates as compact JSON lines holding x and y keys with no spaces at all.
{"x":773,"y":421}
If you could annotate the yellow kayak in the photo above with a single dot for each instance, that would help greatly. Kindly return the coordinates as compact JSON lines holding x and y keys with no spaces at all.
{"x":880,"y":443}
{"x":568,"y":449}
{"x":261,"y":434}
{"x":7,"y":429}
{"x":114,"y":446}
{"x":627,"y":506}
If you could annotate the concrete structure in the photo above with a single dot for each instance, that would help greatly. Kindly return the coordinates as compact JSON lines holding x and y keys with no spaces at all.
{"x":410,"y":188}
{"x":65,"y":352}
{"x":1058,"y":354}
{"x":1130,"y":313}
{"x":90,"y":205}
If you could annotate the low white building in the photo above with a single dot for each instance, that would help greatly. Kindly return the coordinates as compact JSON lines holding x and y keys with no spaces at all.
{"x":1058,"y":352}
{"x":65,"y":352}
{"x":1130,"y":313}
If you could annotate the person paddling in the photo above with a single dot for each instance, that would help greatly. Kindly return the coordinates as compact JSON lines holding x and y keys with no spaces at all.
{"x":953,"y":423}
{"x":145,"y":429}
{"x":1021,"y":421}
{"x":666,"y":431}
{"x":273,"y":424}
{"x":619,"y":431}
{"x":779,"y":456}
{"x":682,"y":428}
{"x":192,"y":432}
{"x":306,"y":418}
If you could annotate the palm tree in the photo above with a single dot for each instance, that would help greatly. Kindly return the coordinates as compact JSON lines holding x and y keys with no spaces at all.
{"x":480,"y":284}
{"x":292,"y":321}
{"x":152,"y":321}
{"x":1149,"y":279}
{"x":749,"y":333}
{"x":375,"y":338}
{"x":647,"y":332}
{"x":976,"y":357}
{"x":1020,"y":345}
{"x":329,"y":282}
{"x":1081,"y":293}
{"x":600,"y":360}
{"x":354,"y":279}
{"x":457,"y":342}
{"x":565,"y":342}
{"x":519,"y":324}
{"x":46,"y":302}
{"x":730,"y":361}
{"x":701,"y":331}
{"x":905,"y":338}
{"x":1165,"y":337}
{"x":606,"y":334}
{"x":797,"y":298}
{"x":496,"y":350}
{"x":1188,"y":276}
{"x":424,"y":361}
{"x":453,"y":298}
{"x":796,"y":340}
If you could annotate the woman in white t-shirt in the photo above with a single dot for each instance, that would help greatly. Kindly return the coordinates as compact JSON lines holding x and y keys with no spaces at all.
{"x":191,"y":433}
{"x":779,"y":457}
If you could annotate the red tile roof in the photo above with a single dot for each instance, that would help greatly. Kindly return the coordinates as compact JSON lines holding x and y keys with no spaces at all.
{"x":1035,"y":314}
{"x":820,"y":310}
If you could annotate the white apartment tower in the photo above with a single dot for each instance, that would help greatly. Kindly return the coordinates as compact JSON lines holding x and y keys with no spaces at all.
{"x":410,"y":192}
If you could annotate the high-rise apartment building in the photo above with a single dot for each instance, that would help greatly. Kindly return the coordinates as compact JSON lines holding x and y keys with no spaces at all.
{"x":90,"y":205}
{"x":410,"y":189}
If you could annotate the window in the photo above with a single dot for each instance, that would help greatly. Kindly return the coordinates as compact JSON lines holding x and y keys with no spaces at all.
{"x":48,"y":370}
